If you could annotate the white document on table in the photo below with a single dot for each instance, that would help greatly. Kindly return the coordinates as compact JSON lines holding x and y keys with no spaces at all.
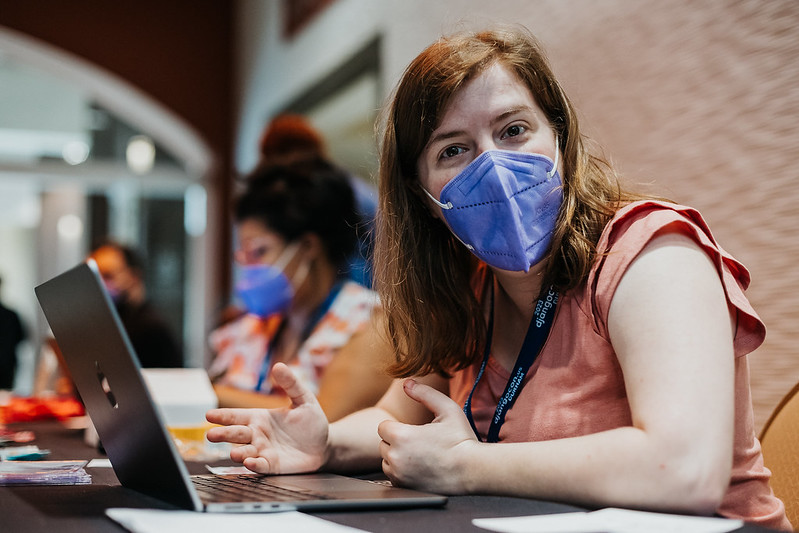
{"x":610,"y":520}
{"x":160,"y":521}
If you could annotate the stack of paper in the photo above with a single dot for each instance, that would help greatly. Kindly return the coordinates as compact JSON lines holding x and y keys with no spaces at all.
{"x":44,"y":473}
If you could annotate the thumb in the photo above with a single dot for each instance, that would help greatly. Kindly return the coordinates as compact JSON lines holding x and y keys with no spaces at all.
{"x":436,"y":401}
{"x":286,"y":380}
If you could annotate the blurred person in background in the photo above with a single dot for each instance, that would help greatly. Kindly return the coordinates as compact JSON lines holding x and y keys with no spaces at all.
{"x":11,"y":335}
{"x":295,"y":225}
{"x":291,"y":137}
{"x":123,"y":275}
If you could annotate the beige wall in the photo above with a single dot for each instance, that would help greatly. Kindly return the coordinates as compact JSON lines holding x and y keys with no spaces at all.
{"x":700,"y":98}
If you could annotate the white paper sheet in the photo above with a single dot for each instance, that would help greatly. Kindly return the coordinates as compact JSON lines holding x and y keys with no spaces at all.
{"x":225,"y":470}
{"x":610,"y":520}
{"x":159,"y":521}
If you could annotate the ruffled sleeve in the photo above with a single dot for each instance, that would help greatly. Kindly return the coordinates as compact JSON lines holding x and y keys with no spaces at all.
{"x":633,"y":227}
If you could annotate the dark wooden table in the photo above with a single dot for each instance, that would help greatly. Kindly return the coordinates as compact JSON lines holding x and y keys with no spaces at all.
{"x":80,"y":508}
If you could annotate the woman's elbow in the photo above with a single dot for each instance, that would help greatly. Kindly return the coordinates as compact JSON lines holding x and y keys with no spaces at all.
{"x":700,"y":489}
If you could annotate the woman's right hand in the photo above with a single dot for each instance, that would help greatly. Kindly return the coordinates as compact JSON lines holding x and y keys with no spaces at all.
{"x":276,"y":441}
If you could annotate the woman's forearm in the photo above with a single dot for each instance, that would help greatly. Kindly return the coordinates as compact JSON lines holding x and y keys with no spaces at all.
{"x":353,"y":442}
{"x":622,"y":467}
{"x":228,"y":396}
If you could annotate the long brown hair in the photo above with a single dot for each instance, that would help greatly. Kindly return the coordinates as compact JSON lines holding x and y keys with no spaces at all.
{"x":425,"y":277}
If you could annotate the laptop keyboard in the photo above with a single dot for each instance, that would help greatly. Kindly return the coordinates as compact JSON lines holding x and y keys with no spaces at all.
{"x":248,"y":488}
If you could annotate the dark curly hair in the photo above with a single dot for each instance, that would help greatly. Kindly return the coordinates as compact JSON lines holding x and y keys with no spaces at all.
{"x":308,"y":196}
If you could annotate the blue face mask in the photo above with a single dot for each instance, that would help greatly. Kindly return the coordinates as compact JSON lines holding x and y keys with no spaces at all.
{"x":503,"y":206}
{"x":264,"y":289}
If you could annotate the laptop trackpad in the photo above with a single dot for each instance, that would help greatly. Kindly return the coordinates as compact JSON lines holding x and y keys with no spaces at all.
{"x":328,"y":483}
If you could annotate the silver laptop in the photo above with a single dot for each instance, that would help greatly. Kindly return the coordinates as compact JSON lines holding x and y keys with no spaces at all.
{"x":107,"y":375}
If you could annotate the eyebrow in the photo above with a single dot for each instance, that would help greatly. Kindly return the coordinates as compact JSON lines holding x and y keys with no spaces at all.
{"x":444,"y":136}
{"x":499,"y":118}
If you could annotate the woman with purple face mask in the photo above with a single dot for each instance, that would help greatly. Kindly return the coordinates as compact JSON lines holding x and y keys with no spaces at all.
{"x":556,"y":335}
{"x":296,"y":229}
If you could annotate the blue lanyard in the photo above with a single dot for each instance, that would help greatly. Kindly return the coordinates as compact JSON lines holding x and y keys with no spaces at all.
{"x":534,"y":340}
{"x":320,"y":311}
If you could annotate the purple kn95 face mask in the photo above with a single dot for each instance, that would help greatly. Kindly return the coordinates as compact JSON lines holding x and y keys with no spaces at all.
{"x":503,"y":206}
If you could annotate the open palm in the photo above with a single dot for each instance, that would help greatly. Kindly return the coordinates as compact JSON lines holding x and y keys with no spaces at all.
{"x":276,"y":441}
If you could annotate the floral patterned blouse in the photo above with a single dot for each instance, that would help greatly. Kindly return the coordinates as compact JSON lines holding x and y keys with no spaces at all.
{"x":242,"y":346}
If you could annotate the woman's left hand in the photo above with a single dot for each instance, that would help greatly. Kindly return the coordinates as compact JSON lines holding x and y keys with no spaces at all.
{"x":432,"y":456}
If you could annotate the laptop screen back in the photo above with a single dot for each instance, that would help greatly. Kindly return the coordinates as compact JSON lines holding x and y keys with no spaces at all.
{"x":101,"y":361}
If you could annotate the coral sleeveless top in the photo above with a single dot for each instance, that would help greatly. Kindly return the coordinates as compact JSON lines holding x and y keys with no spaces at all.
{"x":575,"y":387}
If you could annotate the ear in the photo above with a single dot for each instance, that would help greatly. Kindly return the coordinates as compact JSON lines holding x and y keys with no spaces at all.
{"x":311,"y":246}
{"x":432,"y":209}
{"x":137,"y":273}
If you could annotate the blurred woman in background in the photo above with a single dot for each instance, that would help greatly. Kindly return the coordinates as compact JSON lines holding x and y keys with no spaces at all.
{"x":296,"y":226}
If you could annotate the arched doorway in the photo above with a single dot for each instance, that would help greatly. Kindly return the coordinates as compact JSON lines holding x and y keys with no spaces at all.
{"x":65,"y":180}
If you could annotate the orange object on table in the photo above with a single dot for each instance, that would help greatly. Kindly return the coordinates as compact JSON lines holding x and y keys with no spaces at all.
{"x":30,"y":409}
